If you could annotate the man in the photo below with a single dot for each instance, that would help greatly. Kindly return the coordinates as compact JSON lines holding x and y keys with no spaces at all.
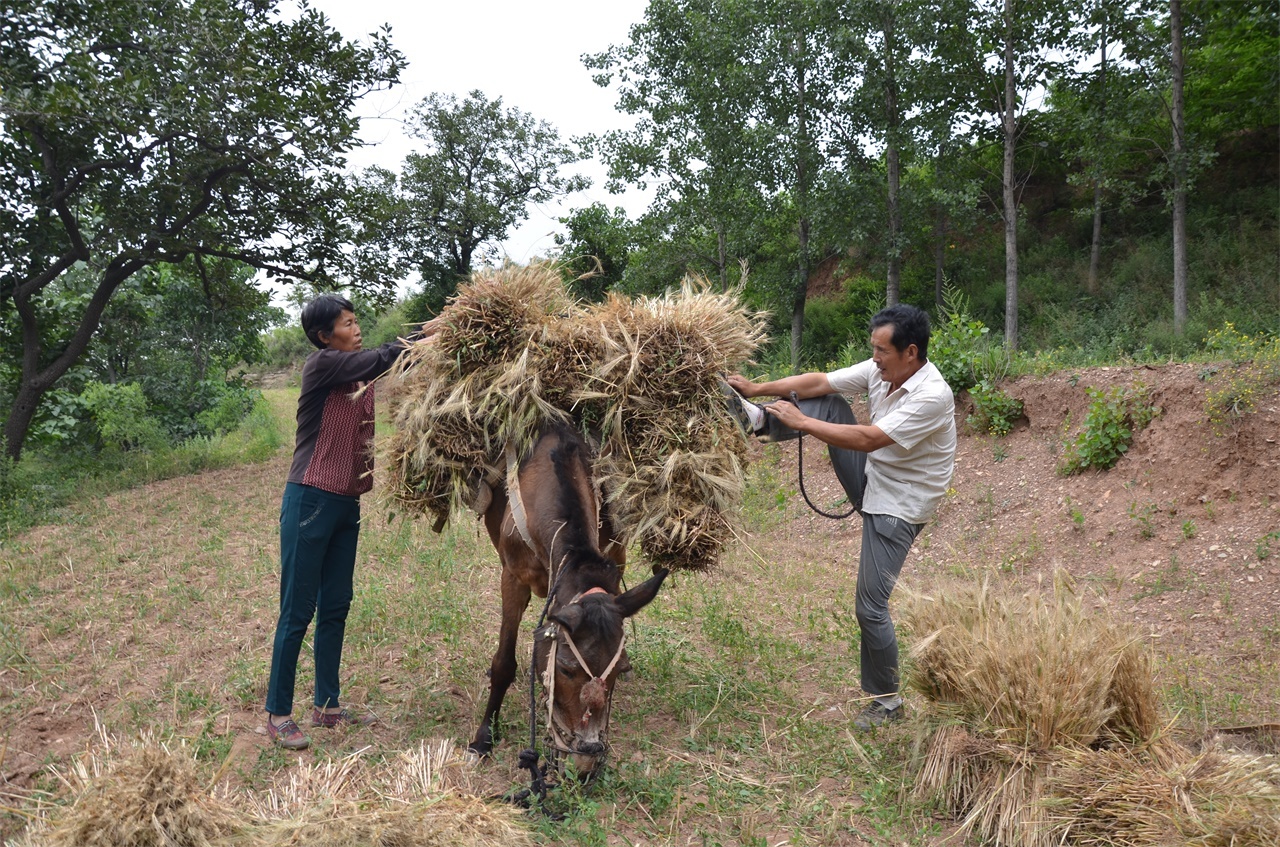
{"x":895,"y":468}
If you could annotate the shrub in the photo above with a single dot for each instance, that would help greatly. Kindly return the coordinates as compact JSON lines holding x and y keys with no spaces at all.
{"x":958,"y":342}
{"x":1236,"y":389}
{"x":1113,"y":417}
{"x":994,"y":410}
{"x":120,"y":414}
{"x":286,"y":347}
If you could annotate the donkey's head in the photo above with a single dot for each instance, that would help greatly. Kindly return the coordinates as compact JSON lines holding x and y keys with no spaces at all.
{"x":580,"y":654}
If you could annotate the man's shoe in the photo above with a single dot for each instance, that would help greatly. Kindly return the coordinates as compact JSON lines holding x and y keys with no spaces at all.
{"x":346,"y":717}
{"x":875,"y":714}
{"x":749,"y":415}
{"x":287,"y":735}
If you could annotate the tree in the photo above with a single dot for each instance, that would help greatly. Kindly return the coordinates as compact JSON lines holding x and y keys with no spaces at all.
{"x":480,"y":168}
{"x":137,"y":133}
{"x":1029,"y":40}
{"x":596,"y":248}
{"x":731,"y":98}
{"x":176,"y":330}
{"x":1178,"y":120}
{"x":883,"y":56}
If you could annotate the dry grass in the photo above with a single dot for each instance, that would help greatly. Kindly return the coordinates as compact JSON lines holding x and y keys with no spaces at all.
{"x":638,"y":377}
{"x":1038,"y":670}
{"x":1214,"y":798}
{"x":145,"y":794}
{"x":1044,"y":730}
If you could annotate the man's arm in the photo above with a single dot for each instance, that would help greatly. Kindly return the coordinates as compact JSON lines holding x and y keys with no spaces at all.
{"x":849,"y":436}
{"x":804,"y":385}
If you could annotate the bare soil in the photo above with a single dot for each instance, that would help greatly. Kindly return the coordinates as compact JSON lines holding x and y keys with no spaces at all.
{"x":1182,"y":538}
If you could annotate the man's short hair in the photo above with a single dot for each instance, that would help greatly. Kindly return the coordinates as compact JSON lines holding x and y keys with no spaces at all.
{"x":320,"y":315}
{"x":910,"y":326}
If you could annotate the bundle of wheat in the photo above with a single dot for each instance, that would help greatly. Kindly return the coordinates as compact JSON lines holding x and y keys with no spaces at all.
{"x":145,"y":794}
{"x":459,"y":400}
{"x":1045,"y":730}
{"x":671,"y":461}
{"x":1010,"y":682}
{"x":138,"y":796}
{"x":637,"y":377}
{"x":409,"y":800}
{"x":1037,"y":670}
{"x":1125,"y":798}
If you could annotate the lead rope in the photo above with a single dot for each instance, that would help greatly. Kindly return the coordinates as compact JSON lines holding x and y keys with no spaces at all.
{"x":800,"y":474}
{"x":528,"y":759}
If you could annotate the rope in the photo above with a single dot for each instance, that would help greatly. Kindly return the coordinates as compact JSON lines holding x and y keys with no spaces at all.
{"x":528,"y":759}
{"x":800,"y":473}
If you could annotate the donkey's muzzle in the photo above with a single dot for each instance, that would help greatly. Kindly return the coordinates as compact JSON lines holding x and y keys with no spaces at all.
{"x":590,"y":748}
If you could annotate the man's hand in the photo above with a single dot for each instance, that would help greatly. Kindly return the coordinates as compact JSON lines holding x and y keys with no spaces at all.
{"x":786,"y":412}
{"x":742,"y":385}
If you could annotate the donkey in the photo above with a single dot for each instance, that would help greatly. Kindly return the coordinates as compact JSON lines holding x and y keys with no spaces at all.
{"x":551,"y":533}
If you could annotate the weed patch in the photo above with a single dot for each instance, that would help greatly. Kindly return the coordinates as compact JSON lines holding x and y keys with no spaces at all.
{"x":1113,"y":417}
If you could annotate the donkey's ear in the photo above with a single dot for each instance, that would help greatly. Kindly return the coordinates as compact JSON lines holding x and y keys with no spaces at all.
{"x":568,"y":616}
{"x":642,"y":595}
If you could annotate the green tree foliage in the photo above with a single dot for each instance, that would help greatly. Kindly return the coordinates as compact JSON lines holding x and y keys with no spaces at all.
{"x":120,"y":415}
{"x":177,"y":330}
{"x":732,"y":102}
{"x":480,"y":167}
{"x":596,"y":248}
{"x":139,"y":133}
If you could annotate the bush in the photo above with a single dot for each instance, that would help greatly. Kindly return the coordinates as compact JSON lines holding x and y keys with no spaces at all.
{"x":228,"y":409}
{"x":120,"y":414}
{"x":1113,"y":417}
{"x":286,"y":347}
{"x":1255,"y":369}
{"x":958,"y":343}
{"x":994,"y":410}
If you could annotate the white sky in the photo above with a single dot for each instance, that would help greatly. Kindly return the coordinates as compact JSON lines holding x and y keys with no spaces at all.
{"x":527,"y":53}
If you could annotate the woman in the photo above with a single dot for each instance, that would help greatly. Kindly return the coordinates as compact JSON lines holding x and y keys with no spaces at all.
{"x":320,"y":511}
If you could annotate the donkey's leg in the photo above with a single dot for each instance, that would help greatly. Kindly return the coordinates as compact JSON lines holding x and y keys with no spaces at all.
{"x":515,"y":599}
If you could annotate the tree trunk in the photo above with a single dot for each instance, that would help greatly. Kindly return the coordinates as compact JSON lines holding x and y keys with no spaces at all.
{"x":722,"y":255}
{"x":892,"y":165}
{"x":1010,"y":194}
{"x":802,"y":207}
{"x":1179,"y":173}
{"x":939,"y":256}
{"x":35,"y":382}
{"x":1095,"y":250}
{"x":1091,"y":285}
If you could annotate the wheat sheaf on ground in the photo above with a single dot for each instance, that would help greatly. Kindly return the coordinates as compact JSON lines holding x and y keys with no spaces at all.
{"x":1043,"y":729}
{"x":143,"y":794}
{"x":638,"y":377}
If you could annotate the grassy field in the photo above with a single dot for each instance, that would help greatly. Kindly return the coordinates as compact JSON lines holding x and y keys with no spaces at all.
{"x":151,"y":612}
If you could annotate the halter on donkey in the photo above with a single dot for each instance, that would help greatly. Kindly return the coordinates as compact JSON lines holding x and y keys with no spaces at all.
{"x":555,"y":540}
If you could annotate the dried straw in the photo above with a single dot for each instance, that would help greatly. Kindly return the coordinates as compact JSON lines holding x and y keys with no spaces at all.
{"x":1045,"y":730}
{"x":637,"y":377}
{"x":1122,"y":797}
{"x":143,"y":795}
{"x":1039,"y":671}
{"x":149,"y":795}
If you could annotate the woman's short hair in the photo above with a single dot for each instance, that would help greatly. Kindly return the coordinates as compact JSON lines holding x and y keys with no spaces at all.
{"x":910,"y":326}
{"x":320,"y":315}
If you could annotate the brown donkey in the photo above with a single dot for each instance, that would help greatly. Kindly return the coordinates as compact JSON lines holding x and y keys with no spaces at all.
{"x":550,"y":531}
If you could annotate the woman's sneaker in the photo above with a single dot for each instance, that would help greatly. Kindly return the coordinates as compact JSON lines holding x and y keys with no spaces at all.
{"x":346,"y":717}
{"x":287,"y":734}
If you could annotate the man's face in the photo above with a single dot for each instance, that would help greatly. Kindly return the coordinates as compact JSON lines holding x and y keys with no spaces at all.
{"x":896,"y":366}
